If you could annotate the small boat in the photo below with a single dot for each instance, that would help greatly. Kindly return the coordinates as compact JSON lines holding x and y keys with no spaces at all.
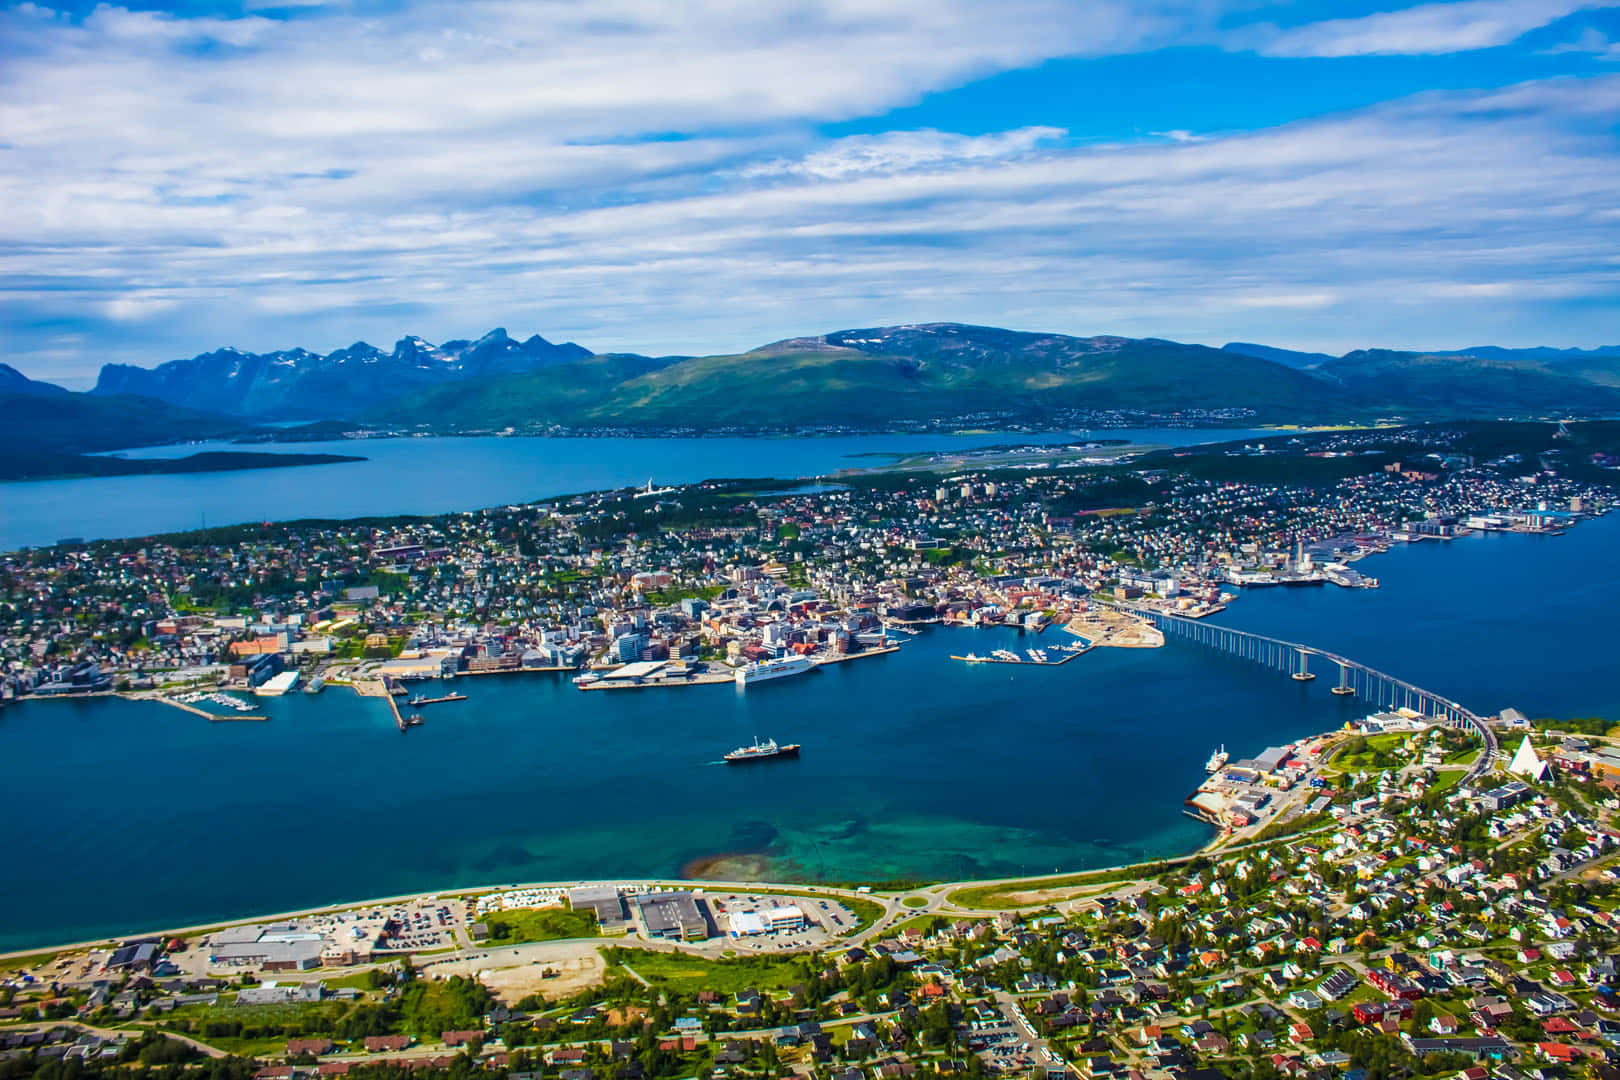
{"x":408,"y":722}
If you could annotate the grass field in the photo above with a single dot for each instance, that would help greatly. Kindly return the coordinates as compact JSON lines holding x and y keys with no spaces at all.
{"x":1465,"y":756}
{"x":1446,"y":779}
{"x":999,"y":896}
{"x":540,"y":924}
{"x":691,"y":973}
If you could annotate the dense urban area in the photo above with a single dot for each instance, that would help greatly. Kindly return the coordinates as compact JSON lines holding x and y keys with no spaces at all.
{"x":1403,"y":898}
{"x":697,"y":580}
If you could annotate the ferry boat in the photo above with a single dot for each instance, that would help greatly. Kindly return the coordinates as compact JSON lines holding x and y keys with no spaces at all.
{"x":762,"y":751}
{"x":1217,"y":761}
{"x":765,"y":670}
{"x":408,"y":722}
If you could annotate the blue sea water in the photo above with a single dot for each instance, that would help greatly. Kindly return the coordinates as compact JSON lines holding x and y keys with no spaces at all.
{"x":138,"y":816}
{"x":441,"y":475}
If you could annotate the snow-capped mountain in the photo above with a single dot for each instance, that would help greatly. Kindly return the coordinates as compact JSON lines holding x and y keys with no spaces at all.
{"x":297,"y":383}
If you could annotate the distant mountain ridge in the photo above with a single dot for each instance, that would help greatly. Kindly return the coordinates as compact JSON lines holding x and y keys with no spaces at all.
{"x":867,"y":377}
{"x":13,"y":381}
{"x":297,"y":383}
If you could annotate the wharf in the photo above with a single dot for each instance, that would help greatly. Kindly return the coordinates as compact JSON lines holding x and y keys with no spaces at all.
{"x":706,"y":678}
{"x":452,"y":696}
{"x":725,"y":675}
{"x":1026,"y":662}
{"x":215,"y":718}
{"x":516,"y":670}
{"x":376,"y":689}
{"x":839,"y":659}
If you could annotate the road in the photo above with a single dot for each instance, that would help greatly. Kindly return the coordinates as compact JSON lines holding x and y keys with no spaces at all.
{"x":116,"y":1034}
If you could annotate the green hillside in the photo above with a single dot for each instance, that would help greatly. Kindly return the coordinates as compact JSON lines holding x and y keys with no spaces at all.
{"x":918,"y":374}
{"x":82,"y":423}
{"x":1470,"y":385}
{"x":562,"y":394}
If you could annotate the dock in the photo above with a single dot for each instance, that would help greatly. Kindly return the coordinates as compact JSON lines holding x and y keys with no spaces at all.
{"x":1011,"y":658}
{"x":213,"y":718}
{"x":376,"y":689}
{"x":452,"y":696}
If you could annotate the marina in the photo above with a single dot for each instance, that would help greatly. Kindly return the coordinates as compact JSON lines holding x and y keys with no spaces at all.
{"x":1031,"y":657}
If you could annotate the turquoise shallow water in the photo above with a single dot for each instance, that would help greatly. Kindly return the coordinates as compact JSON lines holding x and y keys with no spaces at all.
{"x":131,"y":817}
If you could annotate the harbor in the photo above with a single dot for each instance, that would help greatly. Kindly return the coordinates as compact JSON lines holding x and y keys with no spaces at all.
{"x":191,"y":703}
{"x":923,"y":724}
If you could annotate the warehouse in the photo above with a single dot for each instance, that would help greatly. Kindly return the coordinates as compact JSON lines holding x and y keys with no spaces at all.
{"x":673,"y":916}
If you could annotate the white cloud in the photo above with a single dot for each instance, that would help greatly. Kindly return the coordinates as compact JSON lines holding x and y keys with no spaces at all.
{"x":1456,"y":26}
{"x":1592,"y":41}
{"x":450,"y":169}
{"x":905,"y":151}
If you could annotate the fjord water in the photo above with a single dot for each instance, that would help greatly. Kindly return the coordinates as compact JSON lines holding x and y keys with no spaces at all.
{"x":138,"y":816}
{"x":441,"y":475}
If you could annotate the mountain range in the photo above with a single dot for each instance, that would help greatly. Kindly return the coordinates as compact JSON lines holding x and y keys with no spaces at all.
{"x":868,"y":378}
{"x":297,"y":383}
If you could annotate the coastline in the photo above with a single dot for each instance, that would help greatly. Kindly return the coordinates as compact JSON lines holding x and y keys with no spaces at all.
{"x":1206,"y":845}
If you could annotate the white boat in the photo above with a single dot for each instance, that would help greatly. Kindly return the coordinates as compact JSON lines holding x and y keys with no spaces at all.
{"x":765,"y":670}
{"x":1216,"y":760}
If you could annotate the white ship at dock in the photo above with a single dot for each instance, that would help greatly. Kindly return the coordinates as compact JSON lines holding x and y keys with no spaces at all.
{"x":765,"y":670}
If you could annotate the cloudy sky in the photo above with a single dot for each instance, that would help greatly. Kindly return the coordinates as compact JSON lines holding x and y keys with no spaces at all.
{"x":709,"y":175}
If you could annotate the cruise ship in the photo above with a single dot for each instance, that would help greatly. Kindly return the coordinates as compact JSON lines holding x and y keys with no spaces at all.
{"x":762,"y":751}
{"x":1216,"y":761}
{"x":772,"y":669}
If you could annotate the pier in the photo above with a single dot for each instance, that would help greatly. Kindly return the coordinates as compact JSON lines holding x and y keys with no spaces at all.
{"x":1068,"y":654}
{"x":452,"y":696}
{"x":1355,"y":679}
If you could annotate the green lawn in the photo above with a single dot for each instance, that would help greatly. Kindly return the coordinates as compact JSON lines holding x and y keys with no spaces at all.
{"x":539,"y":924}
{"x":997,"y":896}
{"x":1465,"y":756}
{"x":1446,"y":779}
{"x":915,"y":901}
{"x":690,"y":974}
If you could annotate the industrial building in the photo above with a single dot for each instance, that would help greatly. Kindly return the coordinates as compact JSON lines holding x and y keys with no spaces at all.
{"x":280,"y":947}
{"x":673,"y":916}
{"x":769,"y":921}
{"x":605,"y":902}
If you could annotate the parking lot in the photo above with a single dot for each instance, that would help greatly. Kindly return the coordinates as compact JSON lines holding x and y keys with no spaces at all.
{"x":824,"y":920}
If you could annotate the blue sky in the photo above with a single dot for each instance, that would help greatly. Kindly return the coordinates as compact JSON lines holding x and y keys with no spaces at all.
{"x":712,"y":175}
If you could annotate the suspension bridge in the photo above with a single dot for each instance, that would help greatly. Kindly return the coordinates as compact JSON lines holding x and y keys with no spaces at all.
{"x":1354,"y":679}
